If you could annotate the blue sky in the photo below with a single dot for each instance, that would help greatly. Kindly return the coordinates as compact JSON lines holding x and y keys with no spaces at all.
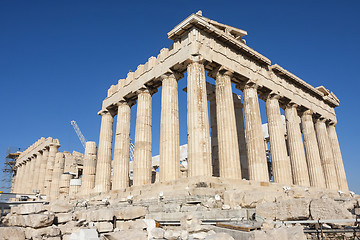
{"x":58,"y":58}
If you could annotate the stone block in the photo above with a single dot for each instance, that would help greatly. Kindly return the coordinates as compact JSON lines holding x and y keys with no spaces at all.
{"x":329,"y":209}
{"x":122,"y":225}
{"x":60,"y":206}
{"x":34,"y":220}
{"x":29,"y":209}
{"x":46,"y":233}
{"x":105,"y":214}
{"x":157,"y":233}
{"x":103,"y":227}
{"x":12,"y":233}
{"x":63,"y":217}
{"x":85,"y":234}
{"x":127,"y":235}
{"x":130,"y":213}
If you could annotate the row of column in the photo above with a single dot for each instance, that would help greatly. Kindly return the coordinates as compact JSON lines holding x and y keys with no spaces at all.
{"x":312,"y":158}
{"x":41,"y":172}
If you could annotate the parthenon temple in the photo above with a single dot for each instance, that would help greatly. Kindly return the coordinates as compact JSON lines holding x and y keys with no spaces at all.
{"x":307,"y":154}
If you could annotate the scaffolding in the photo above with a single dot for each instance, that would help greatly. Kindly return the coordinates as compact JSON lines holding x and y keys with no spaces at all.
{"x":8,"y":169}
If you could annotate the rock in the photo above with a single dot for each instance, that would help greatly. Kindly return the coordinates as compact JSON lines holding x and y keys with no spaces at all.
{"x":122,"y":225}
{"x":190,"y":223}
{"x":46,"y":233}
{"x":138,"y":224}
{"x":60,"y":206}
{"x":329,"y":209}
{"x":63,"y":217}
{"x":12,"y":233}
{"x":219,"y":236}
{"x":225,"y":207}
{"x":296,"y":233}
{"x":129,"y":213}
{"x":157,"y":233}
{"x":198,"y":235}
{"x":85,"y":234}
{"x":29,"y":209}
{"x":105,"y":214}
{"x":34,"y":220}
{"x":172,"y":235}
{"x":127,"y":235}
{"x":267,"y":225}
{"x":104,"y":227}
{"x":283,"y":233}
{"x":266,"y":210}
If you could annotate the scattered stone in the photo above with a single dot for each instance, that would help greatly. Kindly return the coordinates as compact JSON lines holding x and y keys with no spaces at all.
{"x":126,"y":235}
{"x":34,"y":220}
{"x":157,"y":233}
{"x":63,"y":217}
{"x":329,"y":209}
{"x":85,"y":234}
{"x":219,"y":236}
{"x":29,"y":209}
{"x":130,"y":213}
{"x":46,"y":233}
{"x":103,"y":227}
{"x":60,"y":206}
{"x":105,"y":214}
{"x":12,"y":233}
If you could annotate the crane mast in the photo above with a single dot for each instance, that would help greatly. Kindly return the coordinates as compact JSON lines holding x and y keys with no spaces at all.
{"x":78,"y":132}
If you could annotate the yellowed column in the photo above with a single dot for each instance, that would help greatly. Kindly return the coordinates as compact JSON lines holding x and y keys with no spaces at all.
{"x":338,"y":161}
{"x":279,"y":159}
{"x":214,"y":136}
{"x":258,"y":169}
{"x":316,"y":173}
{"x":229,"y":157}
{"x":299,"y":166}
{"x":199,"y":148}
{"x":143,"y":145}
{"x":122,"y":147}
{"x":326,"y":154}
{"x":64,"y":185}
{"x":88,"y":178}
{"x":22,"y":187}
{"x":38,"y":161}
{"x":50,"y":168}
{"x":30,"y":183}
{"x":103,"y":165}
{"x":169,"y":129}
{"x":58,"y":171}
{"x":241,"y":136}
{"x":42,"y":171}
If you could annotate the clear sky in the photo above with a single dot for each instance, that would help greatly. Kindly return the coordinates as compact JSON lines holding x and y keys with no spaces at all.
{"x":58,"y":58}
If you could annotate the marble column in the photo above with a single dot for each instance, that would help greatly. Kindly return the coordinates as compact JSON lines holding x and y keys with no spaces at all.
{"x":58,"y":171}
{"x":338,"y":161}
{"x":296,"y":149}
{"x":103,"y":165}
{"x":238,"y":106}
{"x":143,"y":136}
{"x":214,"y":137}
{"x":316,"y":173}
{"x":42,"y":171}
{"x":88,"y":178}
{"x":122,"y":147}
{"x":50,"y":168}
{"x":37,"y":170}
{"x":258,"y":169}
{"x":229,"y":157}
{"x":169,"y":129}
{"x":64,"y":185}
{"x":30,"y":183}
{"x":279,"y":159}
{"x":24,"y":176}
{"x":199,"y":148}
{"x":19,"y":174}
{"x":326,"y":154}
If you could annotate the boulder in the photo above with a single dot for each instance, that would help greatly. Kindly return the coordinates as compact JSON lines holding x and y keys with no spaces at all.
{"x":29,"y":209}
{"x":34,"y":220}
{"x":46,"y":233}
{"x":157,"y":233}
{"x":129,"y":213}
{"x":60,"y":206}
{"x":63,"y":217}
{"x":12,"y":233}
{"x":328,"y":209}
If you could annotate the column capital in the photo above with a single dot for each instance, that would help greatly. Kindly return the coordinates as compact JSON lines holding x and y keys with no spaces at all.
{"x":171,"y":74}
{"x":320,"y":119}
{"x":292,"y":104}
{"x":128,"y":102}
{"x":249,"y":84}
{"x":332,"y":122}
{"x":308,"y":112}
{"x":220,"y":70}
{"x":273,"y":95}
{"x":196,"y":58}
{"x":146,"y":89}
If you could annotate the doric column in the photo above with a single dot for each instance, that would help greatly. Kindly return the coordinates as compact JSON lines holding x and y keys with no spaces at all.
{"x":316,"y":173}
{"x":50,"y":168}
{"x":143,"y":144}
{"x":58,"y":171}
{"x":326,"y":154}
{"x":103,"y":165}
{"x":299,"y":166}
{"x":38,"y":161}
{"x":42,"y":171}
{"x":214,"y":136}
{"x":30,"y":183}
{"x":258,"y":169}
{"x":88,"y":178}
{"x":22,"y":187}
{"x":18,"y":178}
{"x":122,"y":147}
{"x":199,"y":148}
{"x":27,"y":183}
{"x":229,"y":157}
{"x":279,"y":159}
{"x":169,"y":129}
{"x":64,"y":185}
{"x":338,"y":161}
{"x":238,"y":106}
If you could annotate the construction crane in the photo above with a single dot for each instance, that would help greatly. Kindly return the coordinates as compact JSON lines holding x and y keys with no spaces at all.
{"x":79,"y":134}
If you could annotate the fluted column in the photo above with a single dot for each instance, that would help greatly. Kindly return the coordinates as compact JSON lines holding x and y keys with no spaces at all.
{"x":64,"y":184}
{"x":37,"y":170}
{"x":229,"y":157}
{"x":326,"y":154}
{"x":316,"y":173}
{"x":30,"y":183}
{"x":258,"y":169}
{"x":279,"y":159}
{"x":122,"y":147}
{"x":58,"y":171}
{"x":88,"y":178}
{"x":50,"y":168}
{"x":238,"y":106}
{"x":299,"y":166}
{"x":103,"y":165}
{"x":338,"y":161}
{"x":42,"y":171}
{"x":214,"y":136}
{"x":143,"y":144}
{"x":199,"y":148}
{"x":169,"y":129}
{"x":24,"y":176}
{"x":18,"y":182}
